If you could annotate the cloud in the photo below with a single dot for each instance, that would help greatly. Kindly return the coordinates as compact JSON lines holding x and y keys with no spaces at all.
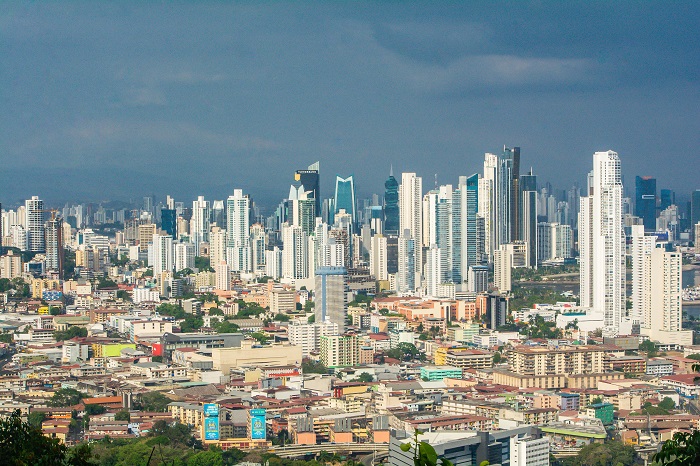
{"x":143,"y":97}
{"x":83,"y":141}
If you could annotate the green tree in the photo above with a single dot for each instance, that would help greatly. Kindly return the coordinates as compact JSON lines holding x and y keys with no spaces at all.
{"x":65,"y":397}
{"x":497,"y":358}
{"x":123,"y":415}
{"x":226,"y":327}
{"x":172,"y":310}
{"x":667,"y":404}
{"x":611,"y":453}
{"x":682,"y":450}
{"x":312,"y":318}
{"x":310,"y":367}
{"x":94,"y":409}
{"x":152,"y":401}
{"x":35,"y":419}
{"x":365,"y":377}
{"x":423,"y":453}
{"x":206,"y":458}
{"x":648,"y":347}
{"x":281,"y":318}
{"x":695,"y":356}
{"x":71,"y":332}
{"x":24,"y":445}
{"x":261,"y":337}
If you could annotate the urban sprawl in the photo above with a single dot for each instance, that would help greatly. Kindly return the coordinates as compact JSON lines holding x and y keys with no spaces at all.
{"x":500,"y":319}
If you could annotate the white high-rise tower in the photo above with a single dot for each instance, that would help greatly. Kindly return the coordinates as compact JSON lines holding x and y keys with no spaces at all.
{"x":411,"y":219}
{"x":34,"y":224}
{"x":238,"y":232}
{"x":602,"y":242}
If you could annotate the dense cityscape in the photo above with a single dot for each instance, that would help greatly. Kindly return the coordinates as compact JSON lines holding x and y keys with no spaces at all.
{"x":509,"y":319}
{"x":349,"y":233}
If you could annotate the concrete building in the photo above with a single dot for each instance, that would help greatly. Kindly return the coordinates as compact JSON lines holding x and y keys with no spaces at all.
{"x":502,"y":268}
{"x":250,"y":355}
{"x":308,"y":336}
{"x":411,"y":219}
{"x":339,"y":350}
{"x":602,"y":242}
{"x":330,"y":300}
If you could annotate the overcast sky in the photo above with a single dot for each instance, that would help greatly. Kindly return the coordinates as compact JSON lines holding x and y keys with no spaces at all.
{"x":114,"y":101}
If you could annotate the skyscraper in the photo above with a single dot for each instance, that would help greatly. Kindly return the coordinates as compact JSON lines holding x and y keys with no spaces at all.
{"x":238,"y":231}
{"x":330,"y":303}
{"x":602,"y":242}
{"x":411,"y":223}
{"x":667,"y":199}
{"x":168,"y":221}
{"x":512,"y":175}
{"x":200,"y":222}
{"x":656,"y":289}
{"x":162,"y":254}
{"x":34,"y":224}
{"x":694,"y":210}
{"x":310,"y":180}
{"x":528,"y":216}
{"x":391,"y":205}
{"x":645,"y":201}
{"x":54,"y":245}
{"x":345,"y":196}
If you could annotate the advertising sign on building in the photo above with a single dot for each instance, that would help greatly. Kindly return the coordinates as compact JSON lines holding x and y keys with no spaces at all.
{"x":257,"y":424}
{"x":211,"y":421}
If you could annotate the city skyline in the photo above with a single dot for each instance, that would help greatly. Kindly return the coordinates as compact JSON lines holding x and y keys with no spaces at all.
{"x":196,"y":99}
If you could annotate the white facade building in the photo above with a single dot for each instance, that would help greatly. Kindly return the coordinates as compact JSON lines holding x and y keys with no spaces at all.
{"x":602,"y":242}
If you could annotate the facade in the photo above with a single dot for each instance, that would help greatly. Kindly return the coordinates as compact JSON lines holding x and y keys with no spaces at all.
{"x":339,"y":350}
{"x":657,"y":289}
{"x":430,"y":373}
{"x":34,"y":224}
{"x":502,"y":268}
{"x":645,"y":201}
{"x":310,"y":180}
{"x":411,"y":228}
{"x":345,"y":196}
{"x":330,"y":301}
{"x":391,"y":205}
{"x":238,"y":232}
{"x":602,"y":242}
{"x":308,"y":336}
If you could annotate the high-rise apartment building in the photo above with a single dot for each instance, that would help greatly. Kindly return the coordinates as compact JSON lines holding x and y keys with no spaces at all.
{"x":217,"y":245}
{"x":503,"y":268}
{"x":656,"y":289}
{"x":339,"y":350}
{"x":258,"y":242}
{"x":238,"y":232}
{"x":602,"y":242}
{"x":55,"y":252}
{"x":330,"y":302}
{"x":378,"y":258}
{"x":34,"y":224}
{"x":295,"y":254}
{"x":645,"y":201}
{"x":184,"y":256}
{"x":200,"y":222}
{"x":161,"y":251}
{"x":308,"y":336}
{"x":411,"y":225}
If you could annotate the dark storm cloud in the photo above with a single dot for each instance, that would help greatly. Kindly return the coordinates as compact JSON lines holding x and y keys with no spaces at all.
{"x":120,"y":100}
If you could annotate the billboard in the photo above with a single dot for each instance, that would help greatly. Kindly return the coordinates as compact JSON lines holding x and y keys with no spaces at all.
{"x":258,"y":429}
{"x":211,"y":421}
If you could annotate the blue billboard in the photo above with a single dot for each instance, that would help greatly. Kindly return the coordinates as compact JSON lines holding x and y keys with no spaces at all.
{"x":211,"y":421}
{"x":258,"y":429}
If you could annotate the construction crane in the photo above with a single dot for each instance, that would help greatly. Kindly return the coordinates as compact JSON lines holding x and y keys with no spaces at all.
{"x":54,"y":212}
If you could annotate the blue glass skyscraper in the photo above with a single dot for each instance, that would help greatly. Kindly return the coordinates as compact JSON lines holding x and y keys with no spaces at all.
{"x":391,"y":205}
{"x":344,"y":195}
{"x":645,"y":201}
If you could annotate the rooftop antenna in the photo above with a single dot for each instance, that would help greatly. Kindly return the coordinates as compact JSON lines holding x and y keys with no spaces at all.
{"x":436,"y":185}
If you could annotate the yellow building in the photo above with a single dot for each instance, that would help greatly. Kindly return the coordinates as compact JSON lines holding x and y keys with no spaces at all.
{"x":38,"y":286}
{"x":247,"y":355}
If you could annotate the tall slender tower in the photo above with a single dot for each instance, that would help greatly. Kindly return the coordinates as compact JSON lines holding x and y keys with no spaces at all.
{"x":34,"y":224}
{"x":411,"y":219}
{"x":391,"y":205}
{"x":602,"y":242}
{"x":238,"y":232}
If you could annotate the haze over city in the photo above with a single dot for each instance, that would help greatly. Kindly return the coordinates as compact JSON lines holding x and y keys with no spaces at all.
{"x":200,"y":98}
